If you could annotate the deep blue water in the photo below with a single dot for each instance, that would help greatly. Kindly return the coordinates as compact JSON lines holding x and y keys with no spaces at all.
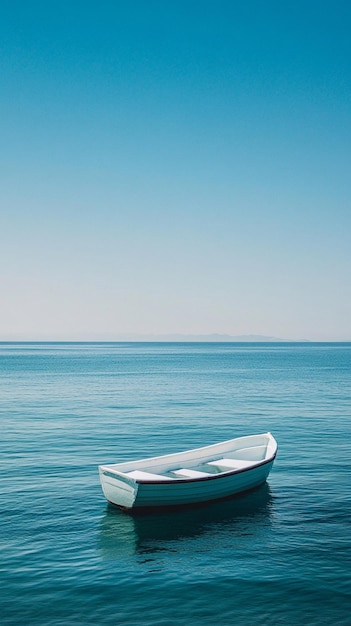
{"x":279,"y":555}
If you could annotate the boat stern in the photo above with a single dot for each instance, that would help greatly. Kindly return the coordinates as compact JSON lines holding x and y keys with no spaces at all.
{"x":118,"y":488}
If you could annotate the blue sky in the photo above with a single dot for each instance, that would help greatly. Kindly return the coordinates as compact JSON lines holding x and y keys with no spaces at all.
{"x":175,"y":167}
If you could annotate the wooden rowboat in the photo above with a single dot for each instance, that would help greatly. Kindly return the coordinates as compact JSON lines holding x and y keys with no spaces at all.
{"x":195,"y":476}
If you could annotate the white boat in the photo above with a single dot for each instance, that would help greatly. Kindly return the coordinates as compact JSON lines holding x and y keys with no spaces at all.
{"x":195,"y":476}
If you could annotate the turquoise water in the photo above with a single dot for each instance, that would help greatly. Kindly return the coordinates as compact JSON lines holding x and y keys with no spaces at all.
{"x":278,"y":555}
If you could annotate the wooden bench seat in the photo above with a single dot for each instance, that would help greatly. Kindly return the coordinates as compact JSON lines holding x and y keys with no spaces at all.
{"x":231,"y":463}
{"x":189,"y":473}
{"x":141,"y":475}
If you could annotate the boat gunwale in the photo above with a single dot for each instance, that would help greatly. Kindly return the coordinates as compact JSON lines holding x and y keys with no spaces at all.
{"x":110,"y":466}
{"x":172,"y":481}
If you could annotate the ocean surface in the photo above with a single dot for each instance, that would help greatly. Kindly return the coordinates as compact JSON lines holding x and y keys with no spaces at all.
{"x":280,"y":555}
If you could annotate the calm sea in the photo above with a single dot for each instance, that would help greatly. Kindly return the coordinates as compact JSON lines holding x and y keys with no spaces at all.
{"x":278,"y":555}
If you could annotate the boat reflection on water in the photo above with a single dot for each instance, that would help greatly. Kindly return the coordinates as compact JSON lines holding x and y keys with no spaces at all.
{"x":122,"y":534}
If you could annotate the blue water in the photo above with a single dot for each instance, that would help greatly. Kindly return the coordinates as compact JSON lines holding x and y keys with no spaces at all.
{"x":279,"y":555}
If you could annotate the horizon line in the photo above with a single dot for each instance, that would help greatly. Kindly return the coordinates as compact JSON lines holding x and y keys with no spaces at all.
{"x":172,"y":338}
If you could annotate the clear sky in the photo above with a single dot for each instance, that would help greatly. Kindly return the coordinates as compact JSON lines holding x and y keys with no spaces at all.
{"x":175,"y":166}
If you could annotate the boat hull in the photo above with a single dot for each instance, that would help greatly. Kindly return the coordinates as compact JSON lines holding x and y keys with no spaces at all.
{"x":231,"y":467}
{"x":182,"y":493}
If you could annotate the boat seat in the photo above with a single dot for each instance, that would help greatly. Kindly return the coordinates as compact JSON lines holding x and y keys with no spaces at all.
{"x":231,"y":463}
{"x":188,"y":473}
{"x":141,"y":475}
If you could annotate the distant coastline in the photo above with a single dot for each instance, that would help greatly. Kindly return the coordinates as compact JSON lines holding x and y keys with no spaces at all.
{"x":106,"y":337}
{"x":149,"y":338}
{"x":214,"y":337}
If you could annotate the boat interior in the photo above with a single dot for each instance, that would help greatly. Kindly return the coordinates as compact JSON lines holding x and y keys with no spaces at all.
{"x":196,"y":468}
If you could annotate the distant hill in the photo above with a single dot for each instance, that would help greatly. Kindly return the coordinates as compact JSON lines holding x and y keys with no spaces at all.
{"x":134,"y":337}
{"x":214,"y":337}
